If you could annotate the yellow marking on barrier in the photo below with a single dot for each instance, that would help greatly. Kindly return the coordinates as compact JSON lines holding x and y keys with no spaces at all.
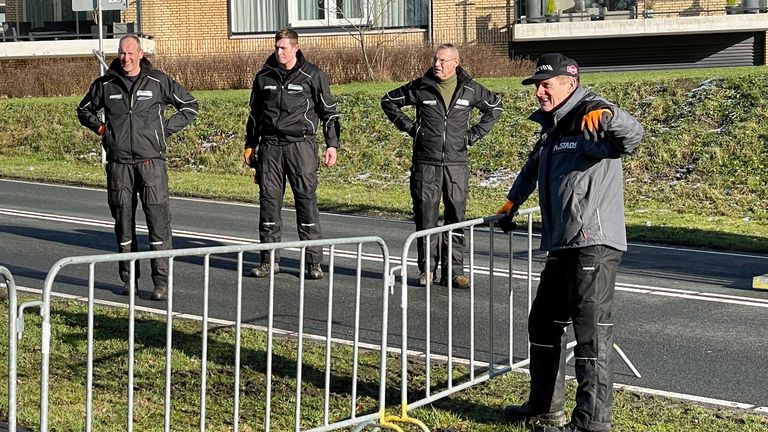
{"x":403,"y":418}
{"x":760,"y":282}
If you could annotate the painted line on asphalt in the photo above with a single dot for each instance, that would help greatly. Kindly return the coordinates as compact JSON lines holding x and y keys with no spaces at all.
{"x":319,"y":338}
{"x":341,"y":253}
{"x":241,"y":204}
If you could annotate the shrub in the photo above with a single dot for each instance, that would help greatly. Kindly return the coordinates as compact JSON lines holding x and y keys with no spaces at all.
{"x":73,"y":76}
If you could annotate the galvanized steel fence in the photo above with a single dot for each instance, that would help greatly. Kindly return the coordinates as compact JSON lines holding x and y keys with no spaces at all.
{"x":456,"y":340}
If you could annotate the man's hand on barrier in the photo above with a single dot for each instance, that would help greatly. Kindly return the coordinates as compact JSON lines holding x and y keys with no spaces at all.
{"x":249,"y":157}
{"x":507,"y":221}
{"x":594,"y":124}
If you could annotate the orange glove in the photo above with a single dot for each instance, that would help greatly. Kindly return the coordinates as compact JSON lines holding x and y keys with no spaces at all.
{"x":507,"y":223}
{"x":249,"y":156}
{"x":506,"y":208}
{"x":102,"y":129}
{"x":594,"y":124}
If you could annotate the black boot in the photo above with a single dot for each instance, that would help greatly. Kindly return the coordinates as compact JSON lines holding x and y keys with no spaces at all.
{"x":523,"y":413}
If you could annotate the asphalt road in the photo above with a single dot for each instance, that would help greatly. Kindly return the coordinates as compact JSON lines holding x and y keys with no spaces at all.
{"x":686,"y":318}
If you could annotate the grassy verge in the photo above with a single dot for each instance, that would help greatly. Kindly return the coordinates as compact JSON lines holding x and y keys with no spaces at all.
{"x":476,"y":409}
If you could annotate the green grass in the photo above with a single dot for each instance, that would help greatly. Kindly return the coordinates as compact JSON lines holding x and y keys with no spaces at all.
{"x":476,"y":409}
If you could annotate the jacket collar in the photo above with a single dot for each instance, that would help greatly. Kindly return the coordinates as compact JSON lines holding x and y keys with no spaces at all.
{"x":272,"y":63}
{"x":547,"y":120}
{"x":462,"y":77}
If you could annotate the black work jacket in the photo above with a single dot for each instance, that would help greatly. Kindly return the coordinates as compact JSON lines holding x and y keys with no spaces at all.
{"x":441,"y":134}
{"x":136,"y":128}
{"x":290,"y":108}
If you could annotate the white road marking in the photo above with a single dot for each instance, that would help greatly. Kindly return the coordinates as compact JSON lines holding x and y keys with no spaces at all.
{"x":395,"y":260}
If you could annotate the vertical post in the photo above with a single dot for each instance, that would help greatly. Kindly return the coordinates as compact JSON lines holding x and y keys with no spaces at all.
{"x":102,"y":69}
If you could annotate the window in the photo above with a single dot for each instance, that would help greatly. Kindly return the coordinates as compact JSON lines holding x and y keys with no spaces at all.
{"x":267,"y":16}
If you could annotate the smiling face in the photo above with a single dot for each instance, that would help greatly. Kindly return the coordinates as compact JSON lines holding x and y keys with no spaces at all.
{"x":552,"y":92}
{"x":130,"y":54}
{"x":445,"y":63}
{"x":285,"y":51}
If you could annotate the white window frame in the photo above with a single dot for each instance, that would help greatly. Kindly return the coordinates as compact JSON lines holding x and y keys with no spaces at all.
{"x":329,"y":21}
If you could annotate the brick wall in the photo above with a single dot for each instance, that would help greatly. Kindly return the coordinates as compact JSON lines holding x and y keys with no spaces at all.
{"x":466,"y":22}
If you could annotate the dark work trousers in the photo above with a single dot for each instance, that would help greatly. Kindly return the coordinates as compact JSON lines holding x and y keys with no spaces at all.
{"x":127,"y":183}
{"x":298,"y":163}
{"x":430,"y":183}
{"x":576,"y":286}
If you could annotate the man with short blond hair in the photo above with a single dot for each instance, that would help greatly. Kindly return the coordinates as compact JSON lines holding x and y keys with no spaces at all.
{"x":444,"y":99}
{"x":289,"y":99}
{"x":133,"y":96}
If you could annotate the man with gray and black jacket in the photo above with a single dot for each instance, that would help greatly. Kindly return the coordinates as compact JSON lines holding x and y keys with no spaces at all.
{"x":133,"y":97}
{"x":577,"y":165}
{"x":444,"y":99}
{"x":289,"y":100}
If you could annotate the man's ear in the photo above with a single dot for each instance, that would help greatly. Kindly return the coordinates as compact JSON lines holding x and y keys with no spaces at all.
{"x":141,"y":54}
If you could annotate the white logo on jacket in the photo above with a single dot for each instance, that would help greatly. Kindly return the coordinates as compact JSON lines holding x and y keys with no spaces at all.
{"x":295,"y":88}
{"x":116,"y":96}
{"x":565,"y":145}
{"x":144,"y":94}
{"x":430,"y":102}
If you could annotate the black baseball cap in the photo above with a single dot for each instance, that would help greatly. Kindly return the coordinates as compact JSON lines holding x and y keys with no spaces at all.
{"x":552,"y":65}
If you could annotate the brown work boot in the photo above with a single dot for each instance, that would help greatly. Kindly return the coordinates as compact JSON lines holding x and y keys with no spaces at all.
{"x":160,"y":292}
{"x":314,"y":271}
{"x":127,"y":288}
{"x":262,"y":270}
{"x":523,"y":413}
{"x":426,"y":277}
{"x":461,"y":282}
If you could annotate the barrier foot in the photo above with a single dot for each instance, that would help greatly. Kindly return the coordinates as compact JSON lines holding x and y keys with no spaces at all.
{"x":626,"y":361}
{"x":405,"y":419}
{"x":760,"y":282}
{"x":377,"y":426}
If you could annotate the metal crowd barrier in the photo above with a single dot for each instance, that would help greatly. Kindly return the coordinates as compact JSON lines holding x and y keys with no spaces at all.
{"x":498,"y":277}
{"x":172,"y":255}
{"x":499,"y":345}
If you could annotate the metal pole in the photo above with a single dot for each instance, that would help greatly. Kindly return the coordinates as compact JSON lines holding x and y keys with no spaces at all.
{"x":102,"y":69}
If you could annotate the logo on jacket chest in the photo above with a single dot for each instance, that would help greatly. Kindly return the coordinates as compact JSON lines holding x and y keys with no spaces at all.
{"x":295,"y":88}
{"x":565,"y":146}
{"x":144,"y":95}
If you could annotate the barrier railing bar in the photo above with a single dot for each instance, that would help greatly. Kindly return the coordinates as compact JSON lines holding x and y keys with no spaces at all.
{"x":168,"y":345}
{"x":492,"y":274}
{"x":300,"y":348}
{"x":204,"y":360}
{"x":356,"y":342}
{"x":511,"y":299}
{"x":131,"y":340}
{"x":10,"y":285}
{"x":270,"y":330}
{"x":428,"y":299}
{"x":238,"y":336}
{"x":89,"y":352}
{"x":449,"y":283}
{"x":472,"y":302}
{"x":328,"y":335}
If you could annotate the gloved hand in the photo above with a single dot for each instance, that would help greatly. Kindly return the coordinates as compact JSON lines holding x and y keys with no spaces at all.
{"x":102,"y":129}
{"x":249,"y":157}
{"x":507,"y":221}
{"x":594,"y":124}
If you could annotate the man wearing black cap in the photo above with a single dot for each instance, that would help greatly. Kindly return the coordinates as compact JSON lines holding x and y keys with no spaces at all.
{"x":577,"y":165}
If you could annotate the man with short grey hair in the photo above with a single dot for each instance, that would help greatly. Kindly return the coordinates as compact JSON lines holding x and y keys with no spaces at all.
{"x":133,"y":96}
{"x":576,"y":165}
{"x":444,"y":99}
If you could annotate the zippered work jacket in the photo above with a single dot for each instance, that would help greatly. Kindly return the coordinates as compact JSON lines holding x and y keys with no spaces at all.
{"x":290,"y":109}
{"x":136,"y":127}
{"x":442,"y":134}
{"x":581,"y":185}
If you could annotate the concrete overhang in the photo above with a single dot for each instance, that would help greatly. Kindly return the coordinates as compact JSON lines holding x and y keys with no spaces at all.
{"x":639,"y":27}
{"x":64,"y":48}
